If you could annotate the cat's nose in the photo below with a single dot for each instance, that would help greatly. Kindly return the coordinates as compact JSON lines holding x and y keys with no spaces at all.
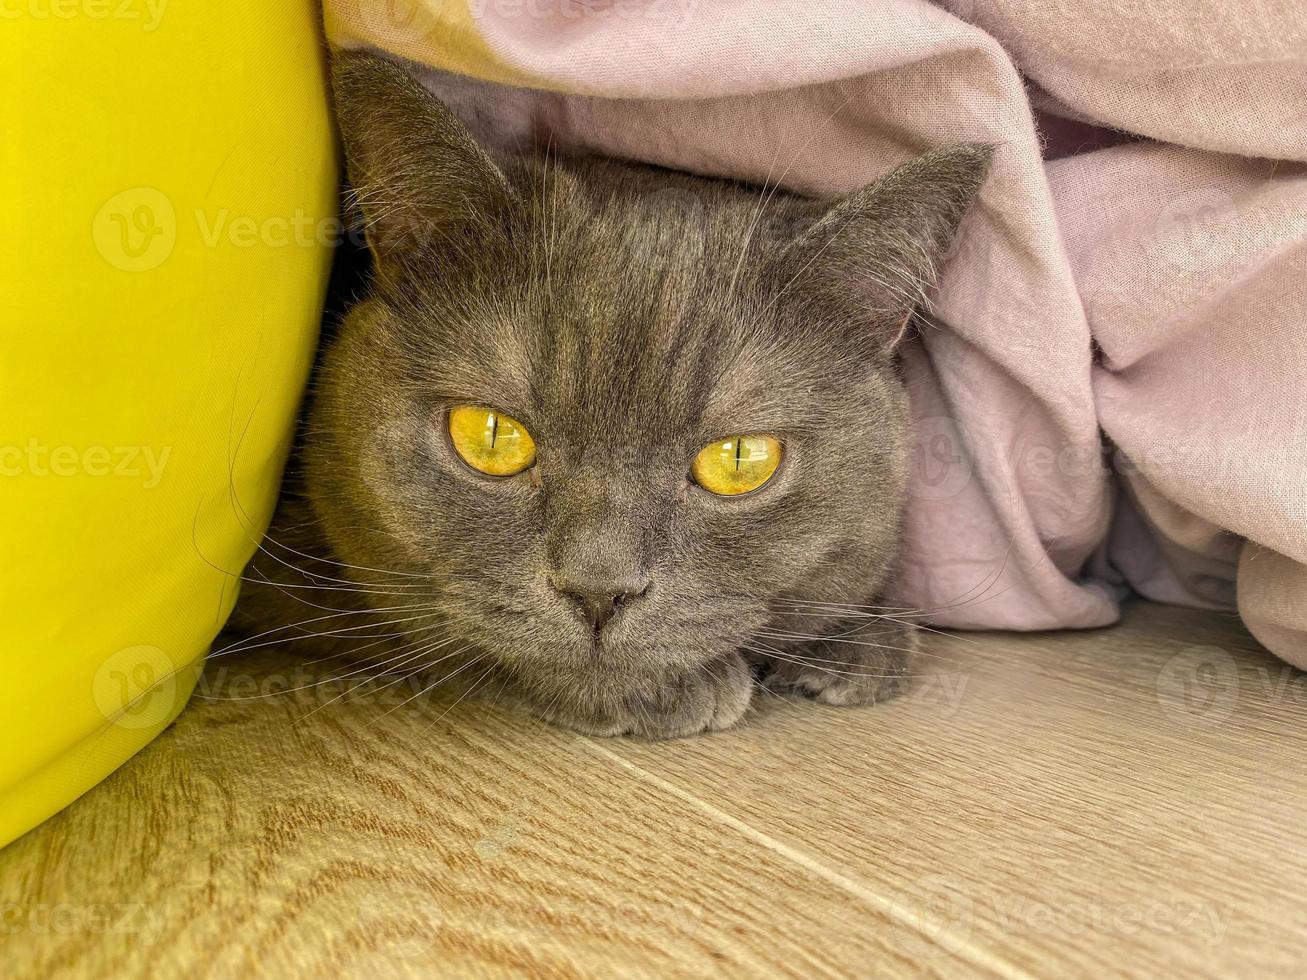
{"x":599,"y":602}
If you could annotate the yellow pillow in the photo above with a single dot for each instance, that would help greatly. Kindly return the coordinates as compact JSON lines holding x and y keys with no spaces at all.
{"x":167,"y":204}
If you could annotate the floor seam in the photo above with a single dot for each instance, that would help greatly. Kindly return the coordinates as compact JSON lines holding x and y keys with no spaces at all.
{"x":979,"y":957}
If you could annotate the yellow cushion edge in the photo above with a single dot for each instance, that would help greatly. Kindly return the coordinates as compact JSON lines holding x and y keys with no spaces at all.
{"x":84,"y":764}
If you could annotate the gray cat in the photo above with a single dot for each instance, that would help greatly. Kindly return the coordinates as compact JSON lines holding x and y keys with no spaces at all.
{"x":617,"y":442}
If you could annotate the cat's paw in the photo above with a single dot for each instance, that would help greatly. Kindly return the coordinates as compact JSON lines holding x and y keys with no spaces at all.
{"x":845,"y":674}
{"x":712,"y":698}
{"x":709,"y":699}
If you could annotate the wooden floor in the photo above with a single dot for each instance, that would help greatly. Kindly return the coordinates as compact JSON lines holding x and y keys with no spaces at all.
{"x":1129,"y":801}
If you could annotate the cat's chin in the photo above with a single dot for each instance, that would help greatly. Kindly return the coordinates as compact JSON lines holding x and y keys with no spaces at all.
{"x":617,"y":658}
{"x":605,"y":702}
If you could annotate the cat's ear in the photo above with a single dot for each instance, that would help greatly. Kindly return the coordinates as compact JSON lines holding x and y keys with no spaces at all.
{"x":872,"y":256}
{"x":419,"y":178}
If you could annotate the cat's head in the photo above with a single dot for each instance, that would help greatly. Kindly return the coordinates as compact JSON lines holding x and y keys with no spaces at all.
{"x":629,"y":321}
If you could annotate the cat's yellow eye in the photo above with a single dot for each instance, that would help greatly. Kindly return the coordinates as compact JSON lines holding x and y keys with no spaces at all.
{"x":490,"y":442}
{"x":736,"y":465}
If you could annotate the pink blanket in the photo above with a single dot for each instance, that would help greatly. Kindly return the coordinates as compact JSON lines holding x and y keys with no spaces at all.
{"x":1136,"y":267}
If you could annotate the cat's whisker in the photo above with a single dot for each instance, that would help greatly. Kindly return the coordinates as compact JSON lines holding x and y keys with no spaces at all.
{"x":904,"y":624}
{"x":862,"y":672}
{"x":427,"y":644}
{"x":765,"y":200}
{"x":462,"y":650}
{"x":307,"y":622}
{"x":852,"y":616}
{"x":406,"y":661}
{"x":845,"y":611}
{"x":342,"y":634}
{"x":303,"y":601}
{"x":442,"y":680}
{"x":424,"y":689}
{"x":818,"y":637}
{"x":863,"y":621}
{"x":966,"y":598}
{"x":773,"y":693}
{"x":871,"y":670}
{"x":896,"y":610}
{"x":783,"y":599}
{"x":422,"y":581}
{"x":849,"y":611}
{"x":472,"y":688}
{"x":335,"y":583}
{"x":247,"y":524}
{"x":397,"y":573}
{"x":354,"y":652}
{"x":443,"y":621}
{"x":244,"y":646}
{"x":551,"y":232}
{"x":764,"y":195}
{"x":303,"y":687}
{"x":317,"y":587}
{"x":869,"y":621}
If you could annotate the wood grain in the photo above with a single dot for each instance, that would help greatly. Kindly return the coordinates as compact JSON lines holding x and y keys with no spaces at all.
{"x":1124,"y":802}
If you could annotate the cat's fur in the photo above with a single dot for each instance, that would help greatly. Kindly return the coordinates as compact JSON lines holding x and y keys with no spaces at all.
{"x":627,"y":316}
